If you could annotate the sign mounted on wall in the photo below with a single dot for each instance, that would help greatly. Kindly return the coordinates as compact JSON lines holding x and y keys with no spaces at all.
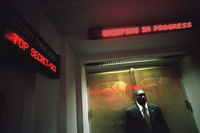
{"x":23,"y":47}
{"x":102,"y":33}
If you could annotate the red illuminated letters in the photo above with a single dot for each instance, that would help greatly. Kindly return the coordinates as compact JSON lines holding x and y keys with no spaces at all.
{"x":174,"y":26}
{"x":35,"y":54}
{"x":52,"y":67}
{"x":120,"y":32}
{"x":126,"y":31}
{"x":146,"y":29}
{"x":13,"y":37}
{"x":20,"y":42}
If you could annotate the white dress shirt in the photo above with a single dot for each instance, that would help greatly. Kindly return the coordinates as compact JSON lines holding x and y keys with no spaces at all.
{"x":141,"y":107}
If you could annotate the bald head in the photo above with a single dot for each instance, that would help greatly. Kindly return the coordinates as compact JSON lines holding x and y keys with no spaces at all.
{"x":140,"y":96}
{"x":136,"y":91}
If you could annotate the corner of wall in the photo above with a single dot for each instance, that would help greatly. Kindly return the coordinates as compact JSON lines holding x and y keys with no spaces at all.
{"x":190,"y":71}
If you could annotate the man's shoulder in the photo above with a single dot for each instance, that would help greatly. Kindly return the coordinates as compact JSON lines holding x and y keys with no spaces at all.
{"x":133,"y":107}
{"x":150,"y":104}
{"x":153,"y":105}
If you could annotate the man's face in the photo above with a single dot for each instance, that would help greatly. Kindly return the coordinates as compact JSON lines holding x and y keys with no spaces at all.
{"x":141,"y":97}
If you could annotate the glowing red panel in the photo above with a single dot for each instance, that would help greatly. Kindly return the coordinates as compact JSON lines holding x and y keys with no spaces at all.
{"x":139,"y":30}
{"x":13,"y":37}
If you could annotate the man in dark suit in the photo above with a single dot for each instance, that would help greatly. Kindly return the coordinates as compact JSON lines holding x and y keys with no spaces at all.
{"x":143,"y":117}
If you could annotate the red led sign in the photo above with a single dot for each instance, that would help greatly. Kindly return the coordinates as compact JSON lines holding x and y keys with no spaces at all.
{"x":137,"y":30}
{"x":13,"y":37}
{"x":174,"y":26}
{"x":120,"y":32}
{"x":21,"y":46}
{"x":19,"y":42}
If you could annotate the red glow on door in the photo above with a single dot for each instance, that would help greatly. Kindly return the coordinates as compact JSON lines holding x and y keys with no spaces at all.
{"x":112,"y":99}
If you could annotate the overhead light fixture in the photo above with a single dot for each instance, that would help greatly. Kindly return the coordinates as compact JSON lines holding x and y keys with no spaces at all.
{"x":130,"y":61}
{"x":158,"y":59}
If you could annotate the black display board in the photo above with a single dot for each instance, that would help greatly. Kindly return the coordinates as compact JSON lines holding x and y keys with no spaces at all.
{"x":21,"y":46}
{"x":124,"y":31}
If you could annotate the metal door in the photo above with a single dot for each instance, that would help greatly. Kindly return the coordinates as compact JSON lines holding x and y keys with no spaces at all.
{"x":111,"y":93}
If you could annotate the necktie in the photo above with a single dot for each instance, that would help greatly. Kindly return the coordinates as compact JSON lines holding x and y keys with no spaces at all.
{"x":147,"y":119}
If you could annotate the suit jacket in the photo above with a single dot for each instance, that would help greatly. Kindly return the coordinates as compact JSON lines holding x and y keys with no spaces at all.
{"x":136,"y":124}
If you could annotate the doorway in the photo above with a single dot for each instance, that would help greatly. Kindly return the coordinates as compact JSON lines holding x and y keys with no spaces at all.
{"x":111,"y":94}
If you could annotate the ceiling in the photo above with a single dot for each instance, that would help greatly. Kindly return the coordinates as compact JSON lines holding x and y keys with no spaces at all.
{"x":73,"y":19}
